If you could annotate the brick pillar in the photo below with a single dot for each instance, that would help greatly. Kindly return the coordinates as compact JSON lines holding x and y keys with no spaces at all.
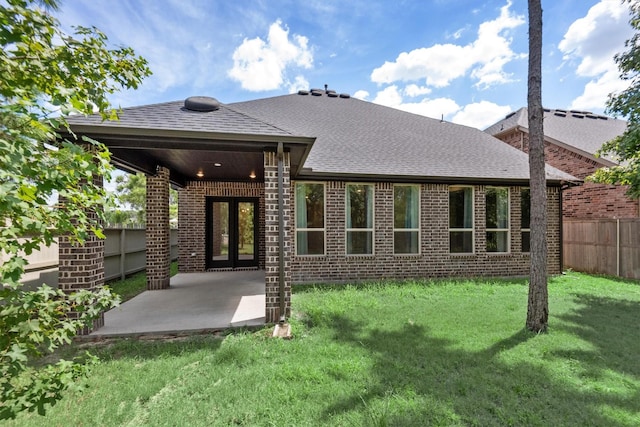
{"x":82,"y":266}
{"x":158,"y":233}
{"x":272,"y":211}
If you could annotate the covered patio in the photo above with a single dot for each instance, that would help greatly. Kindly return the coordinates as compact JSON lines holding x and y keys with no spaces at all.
{"x":193,"y":302}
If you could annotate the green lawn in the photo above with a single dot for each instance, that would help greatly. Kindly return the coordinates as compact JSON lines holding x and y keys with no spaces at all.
{"x":412,"y":354}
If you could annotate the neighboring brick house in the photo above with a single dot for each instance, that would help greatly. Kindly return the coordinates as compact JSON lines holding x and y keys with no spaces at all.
{"x":318,"y":186}
{"x":571,"y":141}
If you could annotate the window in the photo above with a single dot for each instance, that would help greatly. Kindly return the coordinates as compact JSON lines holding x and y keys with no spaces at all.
{"x":310,"y":229}
{"x":497,"y":219}
{"x":406,"y":219}
{"x":525,"y":219}
{"x":359,"y":219}
{"x":460,"y":219}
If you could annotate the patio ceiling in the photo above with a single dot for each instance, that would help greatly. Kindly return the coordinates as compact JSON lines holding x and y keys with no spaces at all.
{"x":192,"y":156}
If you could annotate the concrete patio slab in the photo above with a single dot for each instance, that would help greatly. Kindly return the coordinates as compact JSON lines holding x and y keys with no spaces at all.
{"x":194,"y":301}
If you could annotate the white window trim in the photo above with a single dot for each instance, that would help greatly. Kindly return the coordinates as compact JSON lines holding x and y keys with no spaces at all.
{"x":419,"y":229}
{"x":525,"y":230}
{"x":324,"y":213}
{"x":373,"y":216}
{"x":473,"y":221}
{"x":508,"y":229}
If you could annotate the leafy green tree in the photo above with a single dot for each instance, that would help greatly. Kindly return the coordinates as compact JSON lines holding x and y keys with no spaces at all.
{"x":45,"y":75}
{"x":131,"y":192}
{"x":626,"y":147}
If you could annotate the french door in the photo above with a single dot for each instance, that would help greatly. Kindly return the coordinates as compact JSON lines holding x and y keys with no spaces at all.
{"x":232,"y":232}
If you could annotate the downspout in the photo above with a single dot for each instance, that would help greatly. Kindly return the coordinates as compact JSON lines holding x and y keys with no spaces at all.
{"x":561,"y":231}
{"x":281,"y":230}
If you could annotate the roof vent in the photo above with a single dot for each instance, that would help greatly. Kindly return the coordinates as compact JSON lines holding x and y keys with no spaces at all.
{"x":510,"y":115}
{"x":345,"y":95}
{"x":202,"y":104}
{"x":303,"y":92}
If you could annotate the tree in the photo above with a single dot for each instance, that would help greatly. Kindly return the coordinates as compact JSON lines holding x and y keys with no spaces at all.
{"x":626,"y":147}
{"x":538,"y":304}
{"x":131,"y":191}
{"x":46,"y":74}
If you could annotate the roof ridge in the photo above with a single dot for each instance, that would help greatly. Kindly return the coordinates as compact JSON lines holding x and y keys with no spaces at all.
{"x":256,"y":119}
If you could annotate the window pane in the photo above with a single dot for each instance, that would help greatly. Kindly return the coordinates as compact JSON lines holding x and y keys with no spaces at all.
{"x":497,"y":241}
{"x":525,"y":208}
{"x":309,"y":205}
{"x":460,"y":207}
{"x":359,"y":242}
{"x":405,"y":242}
{"x":406,"y":206}
{"x":310,"y":242}
{"x":461,"y":241}
{"x":359,"y":206}
{"x":526,"y":241}
{"x":497,"y":207}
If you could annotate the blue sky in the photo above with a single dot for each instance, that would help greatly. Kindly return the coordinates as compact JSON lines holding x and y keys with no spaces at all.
{"x":465,"y":60}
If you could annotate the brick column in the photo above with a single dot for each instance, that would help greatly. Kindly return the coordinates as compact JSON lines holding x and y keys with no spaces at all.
{"x":272,"y":261}
{"x":82,"y":266}
{"x":158,"y":233}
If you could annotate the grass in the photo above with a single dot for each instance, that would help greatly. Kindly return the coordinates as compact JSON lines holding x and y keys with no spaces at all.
{"x":446,"y":353}
{"x":134,"y":284}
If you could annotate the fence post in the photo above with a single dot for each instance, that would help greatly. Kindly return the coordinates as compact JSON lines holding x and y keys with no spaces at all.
{"x":618,"y":247}
{"x":122,"y":253}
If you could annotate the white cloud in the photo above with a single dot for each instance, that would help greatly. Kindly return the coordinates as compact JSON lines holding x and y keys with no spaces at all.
{"x":414,"y":90}
{"x":300,"y":83}
{"x":435,"y":108}
{"x":592,"y":41}
{"x":361,"y":94}
{"x":261,"y":66}
{"x":481,"y":114}
{"x":439,"y":64}
{"x":596,"y":38}
{"x":389,"y":96}
{"x":597,"y":91}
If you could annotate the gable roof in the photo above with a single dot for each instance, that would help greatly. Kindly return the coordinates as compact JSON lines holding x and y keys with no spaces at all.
{"x":579,"y":131}
{"x":348,"y":138}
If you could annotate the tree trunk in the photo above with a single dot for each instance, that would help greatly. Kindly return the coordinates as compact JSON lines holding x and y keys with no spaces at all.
{"x":538,"y":306}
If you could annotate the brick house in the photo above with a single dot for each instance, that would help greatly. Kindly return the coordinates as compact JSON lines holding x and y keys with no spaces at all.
{"x":318,"y":186}
{"x":571,"y":141}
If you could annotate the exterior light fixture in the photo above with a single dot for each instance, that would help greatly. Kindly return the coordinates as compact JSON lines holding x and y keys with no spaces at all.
{"x":200,"y":174}
{"x":217,"y":164}
{"x":252,"y":175}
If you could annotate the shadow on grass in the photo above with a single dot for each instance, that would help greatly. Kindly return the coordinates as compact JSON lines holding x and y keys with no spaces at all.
{"x":428,"y":380}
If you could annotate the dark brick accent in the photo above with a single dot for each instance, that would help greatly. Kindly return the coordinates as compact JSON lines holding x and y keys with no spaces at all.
{"x":158,"y":233}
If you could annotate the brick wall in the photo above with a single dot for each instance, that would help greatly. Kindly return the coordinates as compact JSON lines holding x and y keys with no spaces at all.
{"x":82,"y":266}
{"x":192,"y":217}
{"x":272,"y":259}
{"x":158,"y":233}
{"x":588,"y":200}
{"x":434,"y":259}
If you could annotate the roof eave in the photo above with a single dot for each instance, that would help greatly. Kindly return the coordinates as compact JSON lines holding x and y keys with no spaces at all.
{"x":311,"y":175}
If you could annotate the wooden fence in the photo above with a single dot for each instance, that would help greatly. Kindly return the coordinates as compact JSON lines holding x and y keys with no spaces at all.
{"x":124,"y":254}
{"x":603,"y":246}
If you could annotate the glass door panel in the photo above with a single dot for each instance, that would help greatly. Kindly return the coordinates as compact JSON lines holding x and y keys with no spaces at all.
{"x":220,"y":231}
{"x":246,"y":231}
